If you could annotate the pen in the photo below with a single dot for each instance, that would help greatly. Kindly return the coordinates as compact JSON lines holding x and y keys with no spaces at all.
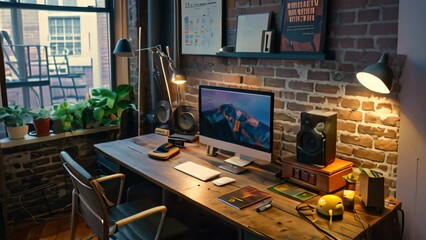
{"x":264,"y":207}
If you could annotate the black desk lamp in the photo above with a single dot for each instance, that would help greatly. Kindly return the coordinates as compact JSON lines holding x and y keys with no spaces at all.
{"x":377,"y":77}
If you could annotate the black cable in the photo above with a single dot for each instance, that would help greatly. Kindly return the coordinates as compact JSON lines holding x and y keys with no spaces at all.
{"x":299,"y":208}
{"x":402,"y":222}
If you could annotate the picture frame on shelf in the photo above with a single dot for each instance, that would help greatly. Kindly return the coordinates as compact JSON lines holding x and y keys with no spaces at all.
{"x":303,"y":26}
{"x":251,"y":26}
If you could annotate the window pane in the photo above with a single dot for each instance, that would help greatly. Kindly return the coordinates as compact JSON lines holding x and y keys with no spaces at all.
{"x":62,"y":33}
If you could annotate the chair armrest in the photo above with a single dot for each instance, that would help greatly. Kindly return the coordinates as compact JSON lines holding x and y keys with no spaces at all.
{"x":144,"y":214}
{"x":112,"y":177}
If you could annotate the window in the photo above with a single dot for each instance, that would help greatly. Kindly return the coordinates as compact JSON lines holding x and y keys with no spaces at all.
{"x":71,"y":47}
{"x":64,"y":35}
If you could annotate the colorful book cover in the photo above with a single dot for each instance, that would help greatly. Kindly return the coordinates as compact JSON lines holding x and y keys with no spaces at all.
{"x":244,"y":197}
{"x":292,"y":191}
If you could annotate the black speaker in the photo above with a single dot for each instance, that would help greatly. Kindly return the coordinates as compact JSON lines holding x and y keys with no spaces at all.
{"x":163,"y":113}
{"x":186,"y":120}
{"x":316,"y":140}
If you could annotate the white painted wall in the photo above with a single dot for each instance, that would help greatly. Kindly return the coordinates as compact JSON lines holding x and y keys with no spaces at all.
{"x":411,"y":173}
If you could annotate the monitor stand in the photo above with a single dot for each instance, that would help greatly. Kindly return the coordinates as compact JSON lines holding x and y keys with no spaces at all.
{"x":239,"y":160}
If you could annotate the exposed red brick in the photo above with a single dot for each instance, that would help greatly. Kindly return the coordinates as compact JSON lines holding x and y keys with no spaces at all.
{"x":350,"y":30}
{"x":316,"y":99}
{"x":304,"y":86}
{"x":346,"y":126}
{"x":389,"y":133}
{"x":302,"y":97}
{"x":285,"y":117}
{"x":363,"y":141}
{"x":369,"y":154}
{"x":222,"y":68}
{"x":383,"y":2}
{"x":367,"y":106}
{"x":275,"y":82}
{"x":325,"y":88}
{"x":271,"y":62}
{"x":365,"y":43}
{"x":232,"y":79}
{"x":299,"y":107}
{"x":368,"y":165}
{"x":347,"y":17}
{"x":357,"y":91}
{"x":263,"y":71}
{"x":287,"y":73}
{"x":344,"y":149}
{"x":348,"y":4}
{"x":279,"y":104}
{"x":384,"y":29}
{"x":369,"y":15}
{"x":384,"y":107}
{"x":252,"y":80}
{"x":350,"y":103}
{"x":249,"y":61}
{"x":391,"y":121}
{"x":387,"y":43}
{"x":318,"y":75}
{"x":392,"y":158}
{"x":289,"y":95}
{"x":334,"y":100}
{"x":239,"y":69}
{"x":390,"y":13}
{"x":386,"y":144}
{"x":347,"y":43}
{"x":348,"y":115}
{"x":328,"y":65}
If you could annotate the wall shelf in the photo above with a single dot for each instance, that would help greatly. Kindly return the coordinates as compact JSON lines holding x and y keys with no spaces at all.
{"x":287,"y":56}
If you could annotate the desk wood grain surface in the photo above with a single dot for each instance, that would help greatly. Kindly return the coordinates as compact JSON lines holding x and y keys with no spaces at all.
{"x":280,"y":222}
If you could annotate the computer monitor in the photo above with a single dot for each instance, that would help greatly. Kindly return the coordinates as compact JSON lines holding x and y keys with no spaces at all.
{"x":237,"y":120}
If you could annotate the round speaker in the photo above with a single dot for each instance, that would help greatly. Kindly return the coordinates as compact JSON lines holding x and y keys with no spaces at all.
{"x":310,"y":142}
{"x":186,"y":118}
{"x":163,"y":112}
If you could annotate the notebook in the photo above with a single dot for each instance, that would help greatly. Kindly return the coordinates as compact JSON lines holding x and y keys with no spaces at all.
{"x":197,"y":171}
{"x":244,"y":197}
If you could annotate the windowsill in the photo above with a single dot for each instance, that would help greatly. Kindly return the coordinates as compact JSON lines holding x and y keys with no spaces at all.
{"x":7,"y":143}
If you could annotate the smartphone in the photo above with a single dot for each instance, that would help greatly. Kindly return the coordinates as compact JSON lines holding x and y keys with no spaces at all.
{"x":232,"y":168}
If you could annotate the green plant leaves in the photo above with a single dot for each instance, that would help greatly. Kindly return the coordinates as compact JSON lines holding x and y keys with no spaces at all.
{"x":123,"y":90}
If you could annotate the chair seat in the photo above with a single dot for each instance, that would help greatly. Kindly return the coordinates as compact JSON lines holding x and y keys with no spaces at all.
{"x":146,"y":227}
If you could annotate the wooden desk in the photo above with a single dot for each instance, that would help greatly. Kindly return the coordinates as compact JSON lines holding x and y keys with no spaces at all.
{"x":280,"y":222}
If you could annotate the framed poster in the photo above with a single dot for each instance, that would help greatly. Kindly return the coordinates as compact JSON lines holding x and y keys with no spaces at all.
{"x":201,"y":26}
{"x":250,"y":29}
{"x":303,"y":25}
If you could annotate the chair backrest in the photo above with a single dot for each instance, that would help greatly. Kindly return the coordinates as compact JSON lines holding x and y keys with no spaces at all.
{"x":91,"y":204}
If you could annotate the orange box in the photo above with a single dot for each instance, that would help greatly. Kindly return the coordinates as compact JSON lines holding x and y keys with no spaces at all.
{"x":325,"y":179}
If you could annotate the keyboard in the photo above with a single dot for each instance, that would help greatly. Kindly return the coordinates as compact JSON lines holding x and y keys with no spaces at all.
{"x":197,"y":171}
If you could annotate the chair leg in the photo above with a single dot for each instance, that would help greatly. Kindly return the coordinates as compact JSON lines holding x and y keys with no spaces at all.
{"x":73,"y":214}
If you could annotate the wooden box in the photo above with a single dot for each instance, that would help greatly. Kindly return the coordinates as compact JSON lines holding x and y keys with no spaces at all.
{"x":372,"y":189}
{"x":324,"y":179}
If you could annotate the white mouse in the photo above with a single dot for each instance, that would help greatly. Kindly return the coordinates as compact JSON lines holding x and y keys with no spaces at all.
{"x":223,"y":181}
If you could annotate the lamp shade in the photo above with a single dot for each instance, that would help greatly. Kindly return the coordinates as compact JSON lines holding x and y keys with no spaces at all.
{"x":178,"y":77}
{"x":123,"y":48}
{"x":377,"y":77}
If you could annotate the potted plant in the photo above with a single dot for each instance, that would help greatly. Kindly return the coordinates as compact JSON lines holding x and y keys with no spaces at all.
{"x":351,"y":181}
{"x":69,"y":114}
{"x":15,"y":119}
{"x":108,"y":105}
{"x":41,"y":121}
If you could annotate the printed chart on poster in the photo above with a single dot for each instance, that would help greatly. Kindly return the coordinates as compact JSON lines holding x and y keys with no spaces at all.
{"x":201,"y":26}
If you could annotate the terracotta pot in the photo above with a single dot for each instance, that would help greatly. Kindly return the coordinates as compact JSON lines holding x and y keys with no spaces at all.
{"x":42,"y":127}
{"x":17,"y":132}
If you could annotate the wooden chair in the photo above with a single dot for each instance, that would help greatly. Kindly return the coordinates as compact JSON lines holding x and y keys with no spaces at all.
{"x":110,"y":219}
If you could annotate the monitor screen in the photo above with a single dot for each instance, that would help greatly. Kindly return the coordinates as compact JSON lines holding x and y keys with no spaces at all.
{"x":237,"y":120}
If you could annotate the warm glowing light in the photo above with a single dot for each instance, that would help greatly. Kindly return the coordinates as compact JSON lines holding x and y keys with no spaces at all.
{"x":372,"y":82}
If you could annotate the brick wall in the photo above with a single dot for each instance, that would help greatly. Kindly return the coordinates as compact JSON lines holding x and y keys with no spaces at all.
{"x":31,"y":166}
{"x":358,"y":31}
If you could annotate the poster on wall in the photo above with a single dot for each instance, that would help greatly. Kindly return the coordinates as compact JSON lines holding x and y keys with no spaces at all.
{"x":303,"y":25}
{"x":201,"y":26}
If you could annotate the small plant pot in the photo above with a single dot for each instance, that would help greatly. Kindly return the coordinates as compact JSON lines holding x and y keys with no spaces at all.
{"x":17,"y":132}
{"x":57,"y":126}
{"x":42,"y":127}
